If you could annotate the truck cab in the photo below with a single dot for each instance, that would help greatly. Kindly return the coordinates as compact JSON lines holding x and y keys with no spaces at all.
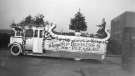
{"x":29,"y":39}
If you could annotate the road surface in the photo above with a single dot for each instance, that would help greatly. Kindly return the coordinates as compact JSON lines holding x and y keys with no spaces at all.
{"x":45,"y":66}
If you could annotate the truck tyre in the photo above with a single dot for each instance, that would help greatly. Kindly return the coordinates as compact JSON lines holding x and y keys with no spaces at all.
{"x":16,"y":50}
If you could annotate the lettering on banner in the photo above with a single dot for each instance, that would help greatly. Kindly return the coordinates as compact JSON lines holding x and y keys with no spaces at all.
{"x":79,"y":45}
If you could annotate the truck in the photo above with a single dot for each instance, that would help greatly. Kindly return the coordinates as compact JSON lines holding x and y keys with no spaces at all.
{"x":42,"y":41}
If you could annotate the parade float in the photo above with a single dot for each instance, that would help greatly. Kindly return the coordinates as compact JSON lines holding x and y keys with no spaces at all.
{"x":42,"y":41}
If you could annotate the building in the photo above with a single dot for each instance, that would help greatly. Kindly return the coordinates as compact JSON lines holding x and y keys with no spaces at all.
{"x":118,"y":25}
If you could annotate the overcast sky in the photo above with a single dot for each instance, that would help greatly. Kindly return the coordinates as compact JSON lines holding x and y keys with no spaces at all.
{"x":61,"y":11}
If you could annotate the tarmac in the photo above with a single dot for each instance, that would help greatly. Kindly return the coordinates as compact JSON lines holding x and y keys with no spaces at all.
{"x":45,"y":66}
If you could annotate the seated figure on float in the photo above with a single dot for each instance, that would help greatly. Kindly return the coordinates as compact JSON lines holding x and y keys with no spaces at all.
{"x":101,"y":33}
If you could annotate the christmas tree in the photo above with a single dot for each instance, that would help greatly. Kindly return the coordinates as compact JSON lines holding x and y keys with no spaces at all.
{"x":78,"y":22}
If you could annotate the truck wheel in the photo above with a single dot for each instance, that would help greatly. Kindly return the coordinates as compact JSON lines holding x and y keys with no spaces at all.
{"x":16,"y":50}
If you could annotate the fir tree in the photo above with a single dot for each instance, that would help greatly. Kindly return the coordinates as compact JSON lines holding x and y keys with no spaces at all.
{"x":78,"y":22}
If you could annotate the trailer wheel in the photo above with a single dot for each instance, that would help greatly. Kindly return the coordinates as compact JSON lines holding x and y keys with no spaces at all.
{"x":102,"y":59}
{"x":15,"y":50}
